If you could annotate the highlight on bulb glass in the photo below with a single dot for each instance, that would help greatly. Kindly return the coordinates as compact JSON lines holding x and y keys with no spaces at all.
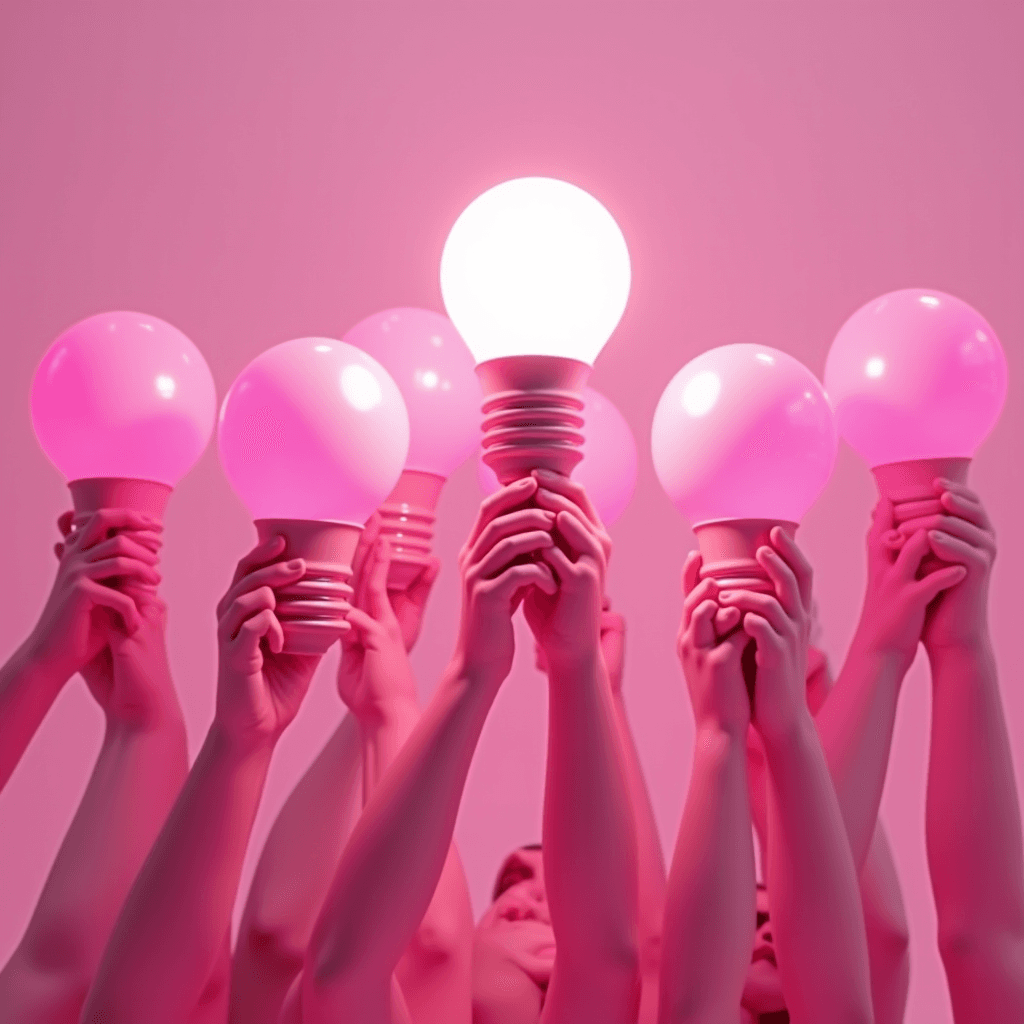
{"x":123,"y":404}
{"x":313,"y":436}
{"x":433,"y":369}
{"x":917,"y":380}
{"x":608,"y":467}
{"x":535,"y":276}
{"x":743,"y":440}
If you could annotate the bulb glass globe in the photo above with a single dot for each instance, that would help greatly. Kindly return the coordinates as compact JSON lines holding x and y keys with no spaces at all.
{"x":743,"y":432}
{"x":535,"y":267}
{"x":125,"y":396}
{"x":609,"y":465}
{"x":313,"y":429}
{"x":915,"y":374}
{"x":433,"y":369}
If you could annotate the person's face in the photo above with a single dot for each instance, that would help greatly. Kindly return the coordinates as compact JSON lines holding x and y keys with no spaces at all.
{"x":762,"y":991}
{"x":518,"y":922}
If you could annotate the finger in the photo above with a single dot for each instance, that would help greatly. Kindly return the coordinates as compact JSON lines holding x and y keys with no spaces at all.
{"x":520,"y":577}
{"x":571,"y":489}
{"x":378,"y":603}
{"x":96,"y":527}
{"x":280,"y":574}
{"x":691,"y":571}
{"x":726,"y":620}
{"x":707,"y":588}
{"x":940,"y":484}
{"x":510,"y":548}
{"x":367,"y":539}
{"x":953,"y":549}
{"x":612,"y":622}
{"x":363,"y":624}
{"x":934,"y":583}
{"x":242,"y":608}
{"x":108,"y":597}
{"x":122,"y":544}
{"x":763,"y":605}
{"x":563,"y":567}
{"x":65,"y":523}
{"x":557,"y":503}
{"x":582,"y":542}
{"x":955,"y":527}
{"x":252,"y":630}
{"x":419,"y":589}
{"x":973,"y":511}
{"x":908,"y":561}
{"x":120,"y":565}
{"x":797,"y":563}
{"x":506,"y":526}
{"x":503,"y":500}
{"x":702,"y":624}
{"x":58,"y":550}
{"x":788,"y":591}
{"x":261,"y":555}
{"x":761,"y":632}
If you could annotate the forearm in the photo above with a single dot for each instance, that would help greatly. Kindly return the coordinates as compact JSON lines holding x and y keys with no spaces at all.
{"x":856,"y":727}
{"x":170,"y":932}
{"x":973,"y":816}
{"x":815,"y":900}
{"x":651,"y":864}
{"x":28,"y":689}
{"x":710,"y":905}
{"x":385,"y":882}
{"x":590,"y":857}
{"x":293,"y":876}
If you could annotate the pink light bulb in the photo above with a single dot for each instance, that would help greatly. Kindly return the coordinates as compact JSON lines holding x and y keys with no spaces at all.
{"x":313,"y":436}
{"x":609,"y":464}
{"x":123,"y":404}
{"x":435,"y":372}
{"x":917,"y":379}
{"x":742,"y":435}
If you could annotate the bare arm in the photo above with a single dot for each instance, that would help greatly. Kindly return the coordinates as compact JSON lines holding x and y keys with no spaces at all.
{"x":651,"y":860}
{"x":169,"y":936}
{"x":710,"y":908}
{"x":293,"y":877}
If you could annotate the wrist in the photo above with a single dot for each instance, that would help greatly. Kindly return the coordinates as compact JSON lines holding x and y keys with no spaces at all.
{"x":232,"y":744}
{"x":789,"y":739}
{"x":38,"y":658}
{"x":885,"y":657}
{"x":583,"y":663}
{"x":162,"y":714}
{"x":390,"y":712}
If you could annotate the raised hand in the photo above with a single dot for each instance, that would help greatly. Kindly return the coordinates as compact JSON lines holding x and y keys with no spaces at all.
{"x":496,"y":579}
{"x":710,"y":650}
{"x":259,"y":688}
{"x":100,"y":561}
{"x":897,"y":598}
{"x":963,"y":536}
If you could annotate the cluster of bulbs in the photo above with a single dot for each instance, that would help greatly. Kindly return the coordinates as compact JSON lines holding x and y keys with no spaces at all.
{"x":315,"y":434}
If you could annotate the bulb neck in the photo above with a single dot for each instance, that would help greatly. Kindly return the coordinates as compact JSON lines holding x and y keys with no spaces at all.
{"x":909,"y":485}
{"x":533,"y":414}
{"x":407,"y":520}
{"x":93,"y":493}
{"x":312,"y":611}
{"x":727,"y":548}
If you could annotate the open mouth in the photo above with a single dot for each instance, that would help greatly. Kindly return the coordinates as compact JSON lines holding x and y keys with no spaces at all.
{"x":764,"y":953}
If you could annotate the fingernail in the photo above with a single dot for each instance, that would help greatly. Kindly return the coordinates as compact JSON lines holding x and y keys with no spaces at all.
{"x":936,"y":535}
{"x":725,"y":595}
{"x":295,"y":563}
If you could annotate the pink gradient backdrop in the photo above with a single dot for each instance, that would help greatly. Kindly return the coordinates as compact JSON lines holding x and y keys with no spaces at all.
{"x":287,"y":171}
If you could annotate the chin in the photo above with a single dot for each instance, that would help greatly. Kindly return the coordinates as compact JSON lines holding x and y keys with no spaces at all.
{"x":762,"y":991}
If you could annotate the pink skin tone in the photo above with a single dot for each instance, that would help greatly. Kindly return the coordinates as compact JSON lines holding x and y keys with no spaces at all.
{"x":384,"y":883}
{"x":650,"y":858}
{"x":74,"y":628}
{"x":973,"y":827}
{"x":817,"y":924}
{"x":302,"y":853}
{"x":138,"y":772}
{"x":170,"y":938}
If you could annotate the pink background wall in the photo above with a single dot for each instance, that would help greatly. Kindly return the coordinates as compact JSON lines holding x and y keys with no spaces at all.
{"x":287,"y":172}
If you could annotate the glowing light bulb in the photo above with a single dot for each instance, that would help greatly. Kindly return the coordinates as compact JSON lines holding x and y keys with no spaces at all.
{"x":123,"y":404}
{"x":743,"y":439}
{"x":313,"y":435}
{"x":535,"y":276}
{"x":609,"y":464}
{"x":433,"y":369}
